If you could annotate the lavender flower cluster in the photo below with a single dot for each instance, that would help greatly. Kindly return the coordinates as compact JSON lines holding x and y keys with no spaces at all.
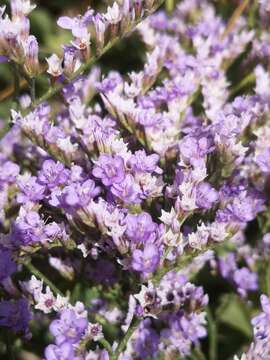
{"x":130,"y":185}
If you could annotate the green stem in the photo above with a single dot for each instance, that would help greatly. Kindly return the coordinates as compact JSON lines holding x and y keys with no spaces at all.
{"x":123,"y":343}
{"x":267,"y":278}
{"x":212,"y":335}
{"x":106,"y":345}
{"x":10,"y":349}
{"x":247,"y":80}
{"x":198,"y":353}
{"x":43,"y":277}
{"x":33,"y":89}
{"x":16,"y":92}
{"x":169,"y":6}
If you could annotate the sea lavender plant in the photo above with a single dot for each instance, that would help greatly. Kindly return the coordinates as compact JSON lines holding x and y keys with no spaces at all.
{"x":134,"y":205}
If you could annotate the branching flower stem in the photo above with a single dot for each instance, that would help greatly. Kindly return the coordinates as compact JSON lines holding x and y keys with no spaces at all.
{"x":55,"y":89}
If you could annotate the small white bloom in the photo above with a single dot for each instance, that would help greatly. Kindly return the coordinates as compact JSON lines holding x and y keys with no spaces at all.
{"x":45,"y":301}
{"x":60,"y":303}
{"x":94,"y":331}
{"x":113,"y":15}
{"x":66,"y":145}
{"x":55,"y":65}
{"x":188,"y":198}
{"x":83,"y":249}
{"x":34,"y":286}
{"x":21,"y":7}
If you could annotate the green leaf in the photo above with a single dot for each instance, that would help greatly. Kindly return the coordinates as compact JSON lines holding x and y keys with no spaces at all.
{"x":234,"y":313}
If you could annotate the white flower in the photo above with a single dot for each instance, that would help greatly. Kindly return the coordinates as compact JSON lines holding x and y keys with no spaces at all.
{"x":66,"y":145}
{"x":45,"y":301}
{"x":83,"y":249}
{"x":60,"y":303}
{"x":218,"y":231}
{"x":172,"y":239}
{"x":188,"y":198}
{"x":21,"y":7}
{"x":113,"y":15}
{"x":79,"y":309}
{"x":167,"y":217}
{"x":198,"y":239}
{"x":55,"y":65}
{"x":34,"y":287}
{"x":94,"y":331}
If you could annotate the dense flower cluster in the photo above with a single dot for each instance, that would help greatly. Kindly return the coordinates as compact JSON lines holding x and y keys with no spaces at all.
{"x":133,"y":183}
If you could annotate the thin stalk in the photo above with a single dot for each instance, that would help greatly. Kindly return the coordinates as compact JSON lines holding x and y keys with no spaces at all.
{"x":212,"y":335}
{"x":267,"y":278}
{"x":236,"y":14}
{"x":16,"y":85}
{"x":33,"y":89}
{"x":43,"y":277}
{"x":10,"y":349}
{"x":123,"y":343}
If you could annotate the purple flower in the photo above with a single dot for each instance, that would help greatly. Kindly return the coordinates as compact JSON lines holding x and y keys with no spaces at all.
{"x":64,"y":351}
{"x":140,"y":162}
{"x":55,"y":231}
{"x":15,"y":315}
{"x":28,"y":228}
{"x":111,"y":170}
{"x":263,"y":160}
{"x":74,"y":196}
{"x":8,"y":172}
{"x":193,"y":149}
{"x":111,"y":82}
{"x":79,"y":195}
{"x":206,"y":196}
{"x":245,"y":280}
{"x":146,"y":260}
{"x":69,"y":328}
{"x":31,"y":64}
{"x":242,"y":209}
{"x":30,"y":189}
{"x":146,"y":341}
{"x":227,"y":265}
{"x":52,"y":174}
{"x":127,"y":190}
{"x":7,"y":265}
{"x":261,"y":321}
{"x":140,"y":228}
